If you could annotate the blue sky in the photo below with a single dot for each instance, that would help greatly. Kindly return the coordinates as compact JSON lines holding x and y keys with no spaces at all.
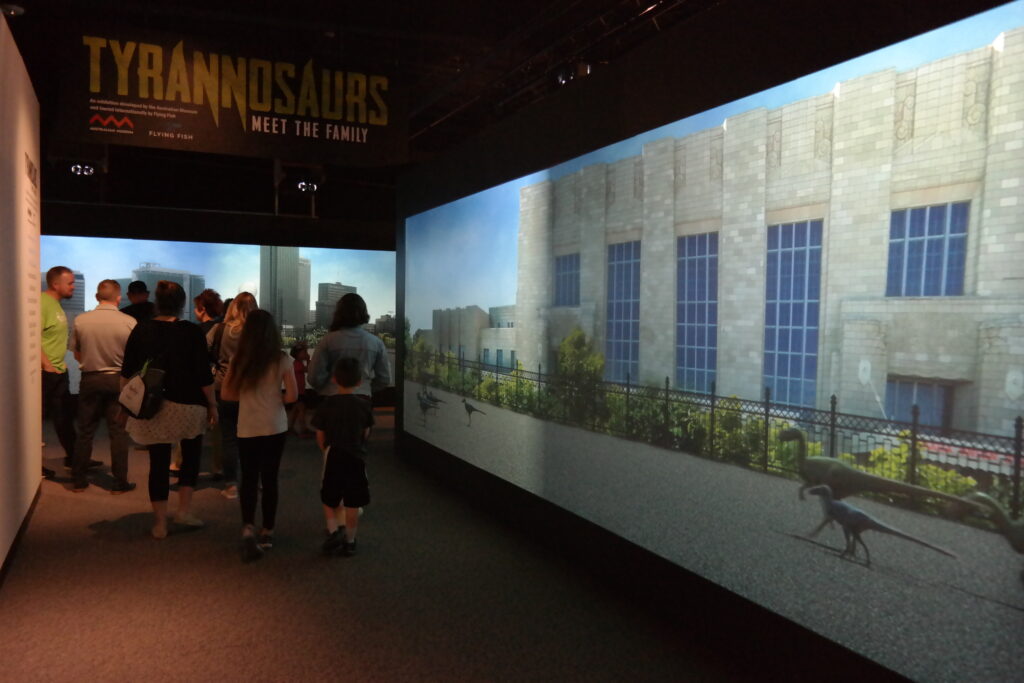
{"x":465,"y":252}
{"x":228,"y":268}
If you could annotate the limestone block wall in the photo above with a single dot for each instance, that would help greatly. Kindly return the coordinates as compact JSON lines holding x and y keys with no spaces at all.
{"x":1000,"y":253}
{"x":741,"y":258}
{"x":699,"y":176}
{"x":948,"y":131}
{"x":535,"y":271}
{"x":1001,"y":375}
{"x":494,"y":338}
{"x":863,"y":344}
{"x":658,"y":264}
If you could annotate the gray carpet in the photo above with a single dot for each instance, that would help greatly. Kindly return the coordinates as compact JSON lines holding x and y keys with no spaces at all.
{"x":436,"y":593}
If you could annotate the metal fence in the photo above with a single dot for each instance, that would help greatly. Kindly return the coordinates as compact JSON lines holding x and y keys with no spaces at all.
{"x":744,"y":431}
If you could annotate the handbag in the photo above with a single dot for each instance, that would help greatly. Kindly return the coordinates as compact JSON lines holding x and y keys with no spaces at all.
{"x":143,"y":395}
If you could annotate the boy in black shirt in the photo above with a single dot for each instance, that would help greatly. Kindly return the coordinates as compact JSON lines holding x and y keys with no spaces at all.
{"x":342,"y":425}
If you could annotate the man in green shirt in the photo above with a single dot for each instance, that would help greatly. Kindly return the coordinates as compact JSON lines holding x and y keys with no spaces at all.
{"x":60,"y":284}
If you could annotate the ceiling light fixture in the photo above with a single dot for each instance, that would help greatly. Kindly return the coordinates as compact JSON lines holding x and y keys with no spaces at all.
{"x":306,"y":186}
{"x":12,"y":10}
{"x":82,"y":169}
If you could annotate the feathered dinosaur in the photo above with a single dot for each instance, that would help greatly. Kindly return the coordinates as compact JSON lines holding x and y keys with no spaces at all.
{"x":425,"y":405}
{"x":1012,"y":531}
{"x":855,"y":521}
{"x":431,"y":397}
{"x":470,"y":409}
{"x":844,"y":480}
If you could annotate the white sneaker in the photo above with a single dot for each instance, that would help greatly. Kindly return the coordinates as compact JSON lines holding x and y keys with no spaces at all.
{"x":188,"y":520}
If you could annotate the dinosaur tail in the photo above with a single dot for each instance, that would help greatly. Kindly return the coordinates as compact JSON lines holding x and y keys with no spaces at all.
{"x":899,"y":534}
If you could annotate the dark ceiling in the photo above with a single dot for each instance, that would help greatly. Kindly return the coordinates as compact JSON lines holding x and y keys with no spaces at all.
{"x":465,"y":64}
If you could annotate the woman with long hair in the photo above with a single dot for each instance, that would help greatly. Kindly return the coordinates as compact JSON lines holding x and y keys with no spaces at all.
{"x":348,"y":339}
{"x":223,"y":339}
{"x":254,"y":378}
{"x":176,"y":347}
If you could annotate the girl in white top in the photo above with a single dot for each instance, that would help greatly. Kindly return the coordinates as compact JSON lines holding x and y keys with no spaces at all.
{"x":254,"y":378}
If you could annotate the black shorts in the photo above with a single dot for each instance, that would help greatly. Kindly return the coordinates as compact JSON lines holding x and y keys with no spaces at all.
{"x":344,"y":481}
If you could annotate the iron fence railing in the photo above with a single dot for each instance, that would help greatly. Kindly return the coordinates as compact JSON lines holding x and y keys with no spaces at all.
{"x":744,"y":431}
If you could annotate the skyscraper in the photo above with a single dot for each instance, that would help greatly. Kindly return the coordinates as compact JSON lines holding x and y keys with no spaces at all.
{"x":152,"y":273}
{"x":328,"y":294}
{"x":305,"y":274}
{"x":279,"y":285}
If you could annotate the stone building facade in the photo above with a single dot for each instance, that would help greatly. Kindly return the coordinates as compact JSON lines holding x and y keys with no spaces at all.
{"x":894,"y":171}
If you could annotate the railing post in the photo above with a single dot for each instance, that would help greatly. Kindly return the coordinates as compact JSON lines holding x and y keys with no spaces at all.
{"x":832,"y":403}
{"x":667,"y":430}
{"x":711,"y":425}
{"x":767,"y":430}
{"x":1018,"y":436}
{"x":629,"y":422}
{"x":915,"y":414}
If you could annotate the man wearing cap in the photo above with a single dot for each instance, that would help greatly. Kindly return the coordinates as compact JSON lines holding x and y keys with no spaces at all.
{"x":141,"y":307}
{"x":98,"y":341}
{"x":60,"y":285}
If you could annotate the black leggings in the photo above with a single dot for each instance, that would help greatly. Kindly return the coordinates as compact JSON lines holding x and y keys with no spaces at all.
{"x":160,"y":464}
{"x":260,"y":460}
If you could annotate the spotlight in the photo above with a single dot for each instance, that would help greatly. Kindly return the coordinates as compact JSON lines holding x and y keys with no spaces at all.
{"x":82,"y":169}
{"x":12,"y":10}
{"x":306,"y":186}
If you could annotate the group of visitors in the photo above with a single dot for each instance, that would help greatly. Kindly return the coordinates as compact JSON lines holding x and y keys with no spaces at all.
{"x":226,"y":377}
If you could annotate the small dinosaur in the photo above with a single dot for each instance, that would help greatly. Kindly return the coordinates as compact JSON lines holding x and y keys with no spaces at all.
{"x":844,"y":480}
{"x":1013,"y":531}
{"x":470,"y":409}
{"x":855,"y":521}
{"x":425,"y":405}
{"x":431,"y":397}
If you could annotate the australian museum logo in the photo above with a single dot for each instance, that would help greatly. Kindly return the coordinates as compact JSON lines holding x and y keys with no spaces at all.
{"x":111,"y":124}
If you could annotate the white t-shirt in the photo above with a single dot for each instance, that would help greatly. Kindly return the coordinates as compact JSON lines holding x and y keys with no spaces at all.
{"x":260,"y":410}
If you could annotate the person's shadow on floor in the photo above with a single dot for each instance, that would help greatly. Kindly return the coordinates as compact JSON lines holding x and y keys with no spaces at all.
{"x":135,"y":526}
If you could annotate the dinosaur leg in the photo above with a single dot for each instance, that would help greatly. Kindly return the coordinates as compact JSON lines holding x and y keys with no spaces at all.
{"x":818,"y":528}
{"x":867,"y":553}
{"x":849,"y":543}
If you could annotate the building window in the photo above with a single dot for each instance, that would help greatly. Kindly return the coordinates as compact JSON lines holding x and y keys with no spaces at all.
{"x":696,"y":311}
{"x":487,"y":357}
{"x":567,"y":280}
{"x":934,"y":401}
{"x":499,"y":357}
{"x":927,"y":250}
{"x":622,"y":348}
{"x":512,"y":359}
{"x":792,"y":297}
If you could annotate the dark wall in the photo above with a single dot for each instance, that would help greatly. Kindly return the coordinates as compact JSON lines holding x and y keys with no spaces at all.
{"x":737,"y":48}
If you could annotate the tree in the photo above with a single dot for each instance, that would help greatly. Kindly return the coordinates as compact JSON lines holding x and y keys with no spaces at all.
{"x":578,"y":375}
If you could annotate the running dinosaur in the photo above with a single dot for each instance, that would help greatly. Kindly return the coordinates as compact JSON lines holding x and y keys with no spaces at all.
{"x":1013,"y":531}
{"x":844,"y":480}
{"x":855,"y":521}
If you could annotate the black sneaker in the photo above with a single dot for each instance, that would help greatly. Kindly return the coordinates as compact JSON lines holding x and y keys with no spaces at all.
{"x":266,"y":541}
{"x":251,"y":550}
{"x":348,"y":549}
{"x":48,"y":473}
{"x":80,"y":485}
{"x":122,"y":487}
{"x":334,"y":542}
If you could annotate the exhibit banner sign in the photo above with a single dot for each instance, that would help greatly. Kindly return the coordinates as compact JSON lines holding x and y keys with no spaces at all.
{"x":157,"y":90}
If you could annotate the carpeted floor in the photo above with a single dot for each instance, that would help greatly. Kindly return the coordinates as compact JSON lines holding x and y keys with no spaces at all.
{"x":436,"y":593}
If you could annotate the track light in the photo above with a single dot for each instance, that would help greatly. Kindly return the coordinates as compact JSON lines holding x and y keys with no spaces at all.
{"x":82,"y":169}
{"x":306,"y":186}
